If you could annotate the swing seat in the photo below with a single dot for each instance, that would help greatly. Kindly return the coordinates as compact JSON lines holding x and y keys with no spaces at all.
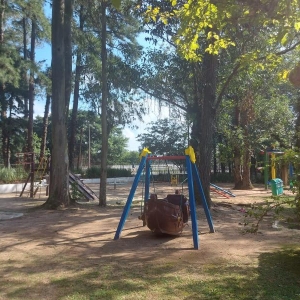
{"x":168,"y":215}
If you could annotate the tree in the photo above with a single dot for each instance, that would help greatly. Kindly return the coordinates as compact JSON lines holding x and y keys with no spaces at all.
{"x":59,"y":174}
{"x":165,"y":137}
{"x":78,"y":72}
{"x":114,"y":36}
{"x":203,"y":29}
{"x":104,"y":149}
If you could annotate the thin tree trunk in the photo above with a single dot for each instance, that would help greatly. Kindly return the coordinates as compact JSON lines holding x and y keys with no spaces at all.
{"x":31,"y":88}
{"x":237,"y":167}
{"x":59,"y":174}
{"x":73,"y":125}
{"x":26,"y":87}
{"x":104,"y":149}
{"x":26,"y":113}
{"x":3,"y":101}
{"x":2,"y":10}
{"x":246,"y":179}
{"x":68,"y":51}
{"x":207,"y":121}
{"x":4,"y":129}
{"x":79,"y":164}
{"x":45,"y":127}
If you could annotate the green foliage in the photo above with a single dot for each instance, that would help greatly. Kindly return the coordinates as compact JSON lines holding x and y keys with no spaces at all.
{"x":278,"y":206}
{"x":116,"y":3}
{"x":258,"y":212}
{"x":116,"y":146}
{"x":131,"y":157}
{"x":212,"y":26}
{"x":165,"y":137}
{"x":221,"y":177}
{"x":112,"y":173}
{"x":75,"y":193}
{"x":10,"y":175}
{"x":94,"y":172}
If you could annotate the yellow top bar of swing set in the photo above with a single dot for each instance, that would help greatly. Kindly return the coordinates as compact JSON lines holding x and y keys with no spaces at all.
{"x":189,"y":151}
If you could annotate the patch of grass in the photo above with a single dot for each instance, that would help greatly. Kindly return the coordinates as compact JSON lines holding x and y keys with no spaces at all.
{"x":275,"y":276}
{"x":10,"y":175}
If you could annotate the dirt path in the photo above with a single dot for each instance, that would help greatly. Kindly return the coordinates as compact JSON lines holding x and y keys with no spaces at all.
{"x":88,"y":231}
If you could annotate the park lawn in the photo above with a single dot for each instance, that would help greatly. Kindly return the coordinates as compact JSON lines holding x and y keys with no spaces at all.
{"x":274,"y":275}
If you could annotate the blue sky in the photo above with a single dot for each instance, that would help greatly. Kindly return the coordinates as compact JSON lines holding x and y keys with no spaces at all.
{"x":44,"y":53}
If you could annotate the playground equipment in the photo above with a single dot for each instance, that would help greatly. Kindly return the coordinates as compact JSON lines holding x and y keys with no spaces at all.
{"x":174,"y":179}
{"x":218,"y":190}
{"x":36,"y":174}
{"x":272,"y":154}
{"x":192,"y":173}
{"x":38,"y":177}
{"x":82,"y":188}
{"x":168,"y":215}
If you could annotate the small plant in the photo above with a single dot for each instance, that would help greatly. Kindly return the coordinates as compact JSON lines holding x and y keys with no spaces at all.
{"x":11,"y":175}
{"x":275,"y":208}
{"x":8,"y":175}
{"x":75,"y":193}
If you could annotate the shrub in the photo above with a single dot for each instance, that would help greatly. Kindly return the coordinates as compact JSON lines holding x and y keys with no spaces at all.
{"x":94,"y":172}
{"x":10,"y":175}
{"x":221,"y":177}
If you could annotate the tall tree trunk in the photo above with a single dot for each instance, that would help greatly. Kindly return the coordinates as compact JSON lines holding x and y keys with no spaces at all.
{"x":237,"y":167}
{"x":45,"y":127}
{"x":2,"y":10}
{"x":73,"y":125}
{"x":26,"y":113}
{"x":3,"y":102}
{"x":26,"y":87}
{"x":59,"y":174}
{"x":104,"y":149}
{"x":237,"y":153}
{"x":297,"y":126}
{"x":246,"y":179}
{"x":207,"y":121}
{"x":68,"y":51}
{"x":4,"y":125}
{"x":31,"y":88}
{"x":78,"y":70}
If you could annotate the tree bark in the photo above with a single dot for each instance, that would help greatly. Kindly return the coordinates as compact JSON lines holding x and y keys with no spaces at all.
{"x":207,"y":121}
{"x":26,"y":113}
{"x":26,"y":86}
{"x":104,"y":149}
{"x":45,"y":127}
{"x":31,"y":88}
{"x":3,"y":101}
{"x":73,"y":125}
{"x":246,"y":179}
{"x":59,"y":173}
{"x":78,"y":70}
{"x":2,"y":10}
{"x":68,"y":51}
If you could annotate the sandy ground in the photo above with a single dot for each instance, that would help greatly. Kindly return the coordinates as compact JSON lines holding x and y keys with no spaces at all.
{"x":89,"y":229}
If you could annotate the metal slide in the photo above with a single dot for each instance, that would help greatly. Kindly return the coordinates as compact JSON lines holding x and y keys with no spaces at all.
{"x":83,"y":189}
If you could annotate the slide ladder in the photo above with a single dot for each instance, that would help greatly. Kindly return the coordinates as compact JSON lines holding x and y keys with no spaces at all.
{"x":82,"y":188}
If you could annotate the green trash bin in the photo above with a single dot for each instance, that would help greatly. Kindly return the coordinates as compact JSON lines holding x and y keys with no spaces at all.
{"x":276,"y":186}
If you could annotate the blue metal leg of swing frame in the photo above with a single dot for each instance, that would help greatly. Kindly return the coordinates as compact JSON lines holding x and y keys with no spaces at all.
{"x":204,"y":202}
{"x":192,"y":203}
{"x":130,"y":197}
